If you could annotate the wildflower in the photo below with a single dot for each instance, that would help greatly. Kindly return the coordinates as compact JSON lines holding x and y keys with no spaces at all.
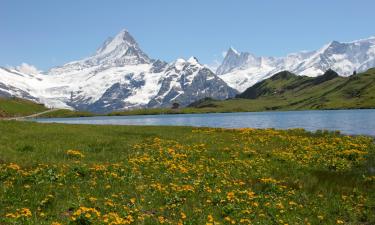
{"x":230,"y":196}
{"x":11,"y":215}
{"x":74,"y":153}
{"x":109,"y":203}
{"x":25,"y":212}
{"x":92,"y":199}
{"x":14,"y":166}
{"x":56,"y":223}
{"x":161,"y":219}
{"x":245,"y":221}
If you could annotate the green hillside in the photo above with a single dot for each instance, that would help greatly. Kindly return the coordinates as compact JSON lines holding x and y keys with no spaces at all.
{"x":66,"y":113}
{"x":287,"y":91}
{"x":13,"y":107}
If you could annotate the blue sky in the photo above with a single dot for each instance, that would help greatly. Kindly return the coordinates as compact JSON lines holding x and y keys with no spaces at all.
{"x":49,"y":33}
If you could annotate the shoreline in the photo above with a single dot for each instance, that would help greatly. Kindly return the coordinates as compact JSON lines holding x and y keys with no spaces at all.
{"x":177,"y":112}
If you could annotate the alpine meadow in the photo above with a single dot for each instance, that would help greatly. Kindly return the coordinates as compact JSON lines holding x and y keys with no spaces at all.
{"x":187,"y":112}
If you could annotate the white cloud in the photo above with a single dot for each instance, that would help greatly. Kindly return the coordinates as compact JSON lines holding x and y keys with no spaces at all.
{"x":224,"y":53}
{"x":27,"y":69}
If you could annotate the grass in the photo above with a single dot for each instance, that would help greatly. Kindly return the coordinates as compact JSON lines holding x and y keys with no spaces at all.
{"x":88,"y":174}
{"x":66,"y":113}
{"x":14,"y":107}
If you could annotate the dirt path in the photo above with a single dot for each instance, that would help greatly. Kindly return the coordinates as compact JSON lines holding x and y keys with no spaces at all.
{"x":30,"y":116}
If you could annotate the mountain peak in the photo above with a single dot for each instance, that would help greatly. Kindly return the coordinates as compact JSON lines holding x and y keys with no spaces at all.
{"x":193,"y":60}
{"x":231,"y":60}
{"x":125,"y":36}
{"x":334,"y":44}
{"x":116,"y":51}
{"x":232,"y":51}
{"x":123,"y":39}
{"x":120,"y":50}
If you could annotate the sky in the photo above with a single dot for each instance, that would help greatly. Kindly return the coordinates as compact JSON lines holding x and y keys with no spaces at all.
{"x":48,"y":33}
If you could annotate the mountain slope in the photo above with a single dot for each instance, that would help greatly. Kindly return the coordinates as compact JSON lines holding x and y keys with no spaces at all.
{"x":321,"y":92}
{"x":118,"y":76}
{"x":242,"y":70}
{"x":288,"y":91}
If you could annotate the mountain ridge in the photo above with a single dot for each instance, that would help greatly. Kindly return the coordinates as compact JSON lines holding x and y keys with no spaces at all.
{"x":120,"y":76}
{"x":286,"y":91}
{"x":343,"y":57}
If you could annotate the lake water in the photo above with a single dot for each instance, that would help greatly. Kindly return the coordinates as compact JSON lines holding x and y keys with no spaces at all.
{"x":354,"y":122}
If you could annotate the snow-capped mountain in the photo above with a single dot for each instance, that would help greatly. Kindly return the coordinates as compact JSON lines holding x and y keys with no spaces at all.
{"x":242,"y":70}
{"x":115,"y":52}
{"x":119,"y":75}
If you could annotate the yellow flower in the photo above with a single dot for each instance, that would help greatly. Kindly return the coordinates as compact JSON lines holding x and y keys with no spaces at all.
{"x":161,"y":219}
{"x":14,"y":166}
{"x":230,"y":196}
{"x":245,"y":221}
{"x":11,"y":215}
{"x":75,"y":153}
{"x":92,"y":199}
{"x":56,"y":223}
{"x":26,"y":212}
{"x":109,"y":203}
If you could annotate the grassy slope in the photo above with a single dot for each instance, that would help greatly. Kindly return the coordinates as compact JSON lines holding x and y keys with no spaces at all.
{"x":156,"y":174}
{"x":13,"y":107}
{"x":295,"y":92}
{"x":66,"y":113}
